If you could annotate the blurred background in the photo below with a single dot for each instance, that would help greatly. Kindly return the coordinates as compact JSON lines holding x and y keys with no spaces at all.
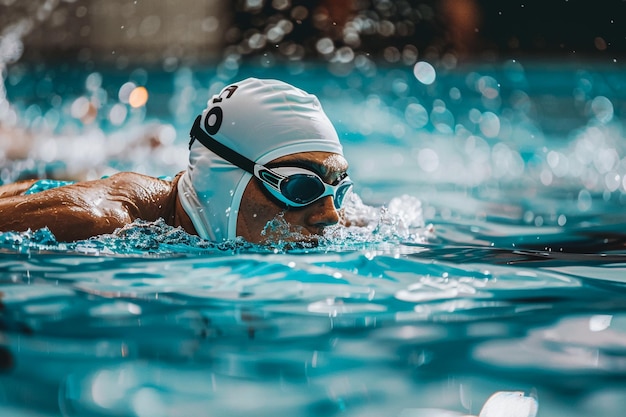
{"x":89,"y":87}
{"x":174,"y":32}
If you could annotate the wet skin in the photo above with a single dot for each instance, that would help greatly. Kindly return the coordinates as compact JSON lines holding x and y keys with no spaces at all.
{"x":91,"y":208}
{"x":306,"y":223}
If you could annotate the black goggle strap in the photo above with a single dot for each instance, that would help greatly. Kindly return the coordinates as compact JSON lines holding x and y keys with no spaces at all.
{"x":219,"y":149}
{"x":261,"y":172}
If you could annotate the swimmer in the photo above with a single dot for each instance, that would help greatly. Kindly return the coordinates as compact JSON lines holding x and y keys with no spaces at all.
{"x":262,"y":149}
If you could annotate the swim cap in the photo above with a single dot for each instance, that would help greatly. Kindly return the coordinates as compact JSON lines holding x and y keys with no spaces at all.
{"x":262,"y":120}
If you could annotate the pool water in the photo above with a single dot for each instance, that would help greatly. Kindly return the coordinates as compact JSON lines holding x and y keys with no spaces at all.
{"x":488,"y":278}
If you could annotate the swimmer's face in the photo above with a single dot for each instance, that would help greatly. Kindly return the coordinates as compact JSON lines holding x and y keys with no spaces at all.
{"x":304,"y":224}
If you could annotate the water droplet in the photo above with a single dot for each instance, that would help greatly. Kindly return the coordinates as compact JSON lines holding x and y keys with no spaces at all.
{"x":490,"y":124}
{"x":416,"y":115}
{"x":584,"y":200}
{"x":125,"y":90}
{"x":602,"y":109}
{"x":325,"y":46}
{"x":424,"y":72}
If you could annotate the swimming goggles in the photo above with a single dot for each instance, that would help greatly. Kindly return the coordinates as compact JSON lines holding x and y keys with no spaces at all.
{"x":293,"y":186}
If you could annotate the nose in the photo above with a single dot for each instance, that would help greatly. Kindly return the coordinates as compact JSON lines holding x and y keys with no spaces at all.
{"x":323,"y":213}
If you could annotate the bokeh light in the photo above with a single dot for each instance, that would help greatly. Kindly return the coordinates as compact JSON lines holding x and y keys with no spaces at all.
{"x":138,"y":97}
{"x":424,"y":72}
{"x":125,"y":90}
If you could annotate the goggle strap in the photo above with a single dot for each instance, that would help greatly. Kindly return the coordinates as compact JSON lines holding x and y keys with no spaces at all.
{"x":232,"y":156}
{"x":219,"y":149}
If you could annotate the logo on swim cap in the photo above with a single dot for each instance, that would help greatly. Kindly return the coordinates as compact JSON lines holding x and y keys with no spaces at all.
{"x":213,"y":120}
{"x":215,"y":116}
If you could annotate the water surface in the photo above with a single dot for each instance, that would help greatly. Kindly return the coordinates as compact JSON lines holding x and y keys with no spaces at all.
{"x":492,"y":259}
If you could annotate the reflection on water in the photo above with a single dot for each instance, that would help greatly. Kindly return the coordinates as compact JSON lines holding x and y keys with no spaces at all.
{"x":369,"y":331}
{"x":485,"y":275}
{"x":488,"y":258}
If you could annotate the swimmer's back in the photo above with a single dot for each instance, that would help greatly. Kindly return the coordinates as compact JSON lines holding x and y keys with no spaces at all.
{"x":85,"y":209}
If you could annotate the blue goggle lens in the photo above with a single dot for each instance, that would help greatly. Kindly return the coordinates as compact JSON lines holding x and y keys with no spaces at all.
{"x":301,"y":189}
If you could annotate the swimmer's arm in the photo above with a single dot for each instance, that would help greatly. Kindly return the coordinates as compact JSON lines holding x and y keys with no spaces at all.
{"x":16,"y":188}
{"x":72,"y":212}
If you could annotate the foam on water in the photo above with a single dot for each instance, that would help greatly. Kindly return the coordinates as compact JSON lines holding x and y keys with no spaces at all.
{"x":482,"y":272}
{"x":388,"y":317}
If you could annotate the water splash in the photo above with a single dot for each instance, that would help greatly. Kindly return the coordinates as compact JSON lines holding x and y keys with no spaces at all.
{"x":400,"y":221}
{"x":138,"y":238}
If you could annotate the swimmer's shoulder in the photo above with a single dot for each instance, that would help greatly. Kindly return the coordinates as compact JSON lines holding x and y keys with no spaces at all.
{"x":135,"y":178}
{"x":143,"y":196}
{"x":137,"y":185}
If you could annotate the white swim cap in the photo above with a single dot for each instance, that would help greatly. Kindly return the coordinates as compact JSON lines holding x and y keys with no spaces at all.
{"x":262,"y":120}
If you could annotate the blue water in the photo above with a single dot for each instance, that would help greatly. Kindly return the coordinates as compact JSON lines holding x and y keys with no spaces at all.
{"x":491,"y":259}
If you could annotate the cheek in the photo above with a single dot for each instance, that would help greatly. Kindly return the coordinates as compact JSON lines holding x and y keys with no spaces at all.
{"x":255,"y":211}
{"x":294,"y":217}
